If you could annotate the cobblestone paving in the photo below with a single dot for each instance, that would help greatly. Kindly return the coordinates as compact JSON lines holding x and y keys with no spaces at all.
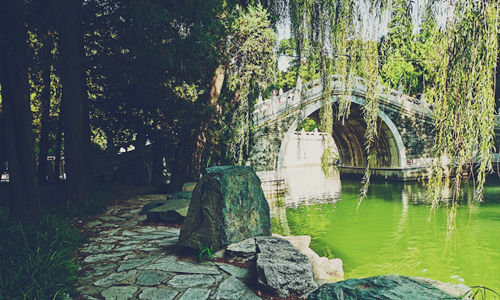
{"x":125,"y":258}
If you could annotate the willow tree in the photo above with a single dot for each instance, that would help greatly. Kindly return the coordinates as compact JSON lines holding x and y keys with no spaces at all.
{"x":462,"y":90}
{"x":252,"y":64}
{"x":327,"y":29}
{"x":464,"y":97}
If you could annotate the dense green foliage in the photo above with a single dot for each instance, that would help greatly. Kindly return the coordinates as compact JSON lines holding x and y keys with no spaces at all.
{"x":36,"y":260}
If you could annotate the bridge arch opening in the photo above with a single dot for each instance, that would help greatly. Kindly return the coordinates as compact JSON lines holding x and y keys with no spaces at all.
{"x":350,"y":141}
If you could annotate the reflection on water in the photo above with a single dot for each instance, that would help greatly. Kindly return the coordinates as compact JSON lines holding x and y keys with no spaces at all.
{"x":309,"y":185}
{"x":389,"y":233}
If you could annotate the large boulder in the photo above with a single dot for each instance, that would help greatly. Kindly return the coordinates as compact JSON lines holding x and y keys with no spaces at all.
{"x":389,"y":287}
{"x":227,"y":206}
{"x":281,"y":269}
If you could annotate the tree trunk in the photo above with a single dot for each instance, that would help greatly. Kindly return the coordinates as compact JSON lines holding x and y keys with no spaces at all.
{"x":45,"y":112}
{"x":3,"y":142}
{"x":59,"y":136}
{"x":157,"y":178}
{"x":180,"y":172}
{"x":193,"y":140}
{"x":75,"y":138}
{"x":24,"y":197}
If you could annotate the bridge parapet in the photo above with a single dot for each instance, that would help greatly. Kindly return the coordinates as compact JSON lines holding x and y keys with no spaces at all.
{"x":294,"y":99}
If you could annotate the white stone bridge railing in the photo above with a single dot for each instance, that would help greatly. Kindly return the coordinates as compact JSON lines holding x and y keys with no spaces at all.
{"x":292,"y":100}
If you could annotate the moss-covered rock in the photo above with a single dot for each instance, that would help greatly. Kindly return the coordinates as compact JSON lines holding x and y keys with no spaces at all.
{"x":389,"y":287}
{"x":227,"y":206}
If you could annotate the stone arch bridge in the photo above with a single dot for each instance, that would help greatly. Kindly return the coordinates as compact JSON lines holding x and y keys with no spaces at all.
{"x":403,"y":144}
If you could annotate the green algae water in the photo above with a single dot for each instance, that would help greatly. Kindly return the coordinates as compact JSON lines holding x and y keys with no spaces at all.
{"x":392,"y":232}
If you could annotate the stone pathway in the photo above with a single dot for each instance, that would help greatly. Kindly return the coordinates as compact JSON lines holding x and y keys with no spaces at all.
{"x":125,"y":258}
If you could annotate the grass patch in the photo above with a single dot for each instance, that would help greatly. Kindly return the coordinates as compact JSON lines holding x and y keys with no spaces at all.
{"x":36,"y":260}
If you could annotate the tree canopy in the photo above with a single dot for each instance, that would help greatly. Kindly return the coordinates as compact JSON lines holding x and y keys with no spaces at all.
{"x":93,"y":76}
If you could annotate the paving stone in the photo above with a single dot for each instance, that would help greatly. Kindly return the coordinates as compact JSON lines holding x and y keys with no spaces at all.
{"x":187,"y":281}
{"x":119,"y":292}
{"x":93,"y":223}
{"x":153,"y":236}
{"x":158,"y":294}
{"x":172,"y":231}
{"x":103,"y":267}
{"x":129,"y":233}
{"x":109,"y":232}
{"x":170,"y":264}
{"x":97,"y":248}
{"x":168,"y":241}
{"x":239,"y":273}
{"x":195,"y":294}
{"x":232,"y":288}
{"x":148,"y":230}
{"x":114,"y":278}
{"x":100,"y":257}
{"x":109,"y":225}
{"x":151,"y":278}
{"x":132,"y":242}
{"x":132,"y":264}
{"x":131,"y":223}
{"x":89,"y":290}
{"x":110,"y":218}
{"x":150,"y":249}
{"x":130,"y":248}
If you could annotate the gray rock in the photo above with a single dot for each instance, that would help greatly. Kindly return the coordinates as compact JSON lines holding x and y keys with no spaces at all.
{"x":195,"y":294}
{"x":282,"y":269}
{"x":232,"y":289}
{"x":245,"y":250}
{"x":187,"y":281}
{"x":389,"y":287}
{"x":114,"y":278}
{"x":158,"y":294}
{"x":170,"y":264}
{"x":227,"y":206}
{"x":132,"y":264}
{"x":151,"y":278}
{"x":119,"y":292}
{"x":239,"y":273}
{"x":172,"y":211}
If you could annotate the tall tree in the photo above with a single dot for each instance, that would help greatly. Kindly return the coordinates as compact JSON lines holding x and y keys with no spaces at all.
{"x":46,"y":62}
{"x":24,"y":197}
{"x":76,"y":138}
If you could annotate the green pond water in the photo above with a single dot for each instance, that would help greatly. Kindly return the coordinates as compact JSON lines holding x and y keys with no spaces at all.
{"x":390,"y":232}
